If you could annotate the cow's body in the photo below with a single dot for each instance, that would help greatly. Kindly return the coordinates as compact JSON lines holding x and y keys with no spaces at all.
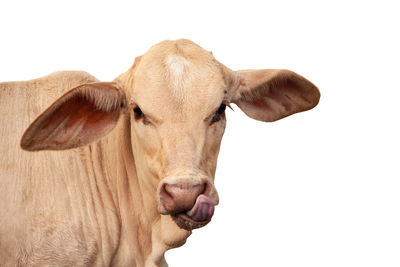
{"x":126,"y":183}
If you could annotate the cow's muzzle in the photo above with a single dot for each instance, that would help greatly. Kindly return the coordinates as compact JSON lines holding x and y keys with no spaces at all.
{"x":189,"y":205}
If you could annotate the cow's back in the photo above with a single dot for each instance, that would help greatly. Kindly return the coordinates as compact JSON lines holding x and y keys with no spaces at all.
{"x":26,"y":183}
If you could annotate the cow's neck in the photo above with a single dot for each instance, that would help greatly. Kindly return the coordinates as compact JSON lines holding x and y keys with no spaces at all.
{"x":145,"y":235}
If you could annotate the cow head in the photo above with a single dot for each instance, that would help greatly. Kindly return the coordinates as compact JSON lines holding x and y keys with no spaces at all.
{"x":175,"y":96}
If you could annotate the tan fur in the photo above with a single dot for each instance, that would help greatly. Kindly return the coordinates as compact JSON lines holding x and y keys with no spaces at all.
{"x":98,"y":204}
{"x":177,"y":71}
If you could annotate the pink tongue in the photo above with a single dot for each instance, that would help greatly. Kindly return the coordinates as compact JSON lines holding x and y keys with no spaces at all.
{"x":202,"y":210}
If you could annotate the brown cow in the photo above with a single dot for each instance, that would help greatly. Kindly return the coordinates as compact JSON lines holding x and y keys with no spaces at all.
{"x":129,"y":165}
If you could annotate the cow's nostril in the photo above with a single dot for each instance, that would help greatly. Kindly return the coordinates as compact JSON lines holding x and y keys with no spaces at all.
{"x":180,"y":197}
{"x":180,"y":190}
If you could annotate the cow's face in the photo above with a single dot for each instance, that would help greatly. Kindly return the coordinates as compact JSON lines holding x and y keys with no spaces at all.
{"x":175,"y":95}
{"x":178,"y":95}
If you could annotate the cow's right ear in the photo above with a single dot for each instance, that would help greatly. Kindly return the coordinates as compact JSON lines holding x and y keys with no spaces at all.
{"x":79,"y":117}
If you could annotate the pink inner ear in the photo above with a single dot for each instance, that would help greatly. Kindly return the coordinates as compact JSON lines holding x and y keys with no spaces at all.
{"x":269,"y":95}
{"x":78,"y":110}
{"x":80,"y":122}
{"x":74,"y":123}
{"x":260,"y":103}
{"x":79,"y":117}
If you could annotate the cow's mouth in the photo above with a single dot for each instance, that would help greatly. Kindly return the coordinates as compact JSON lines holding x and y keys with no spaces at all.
{"x":198,"y":216}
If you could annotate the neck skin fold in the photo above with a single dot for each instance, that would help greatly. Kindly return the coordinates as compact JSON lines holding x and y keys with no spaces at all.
{"x":145,"y":234}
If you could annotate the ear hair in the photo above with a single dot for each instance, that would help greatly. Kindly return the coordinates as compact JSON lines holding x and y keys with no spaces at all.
{"x":103,"y":100}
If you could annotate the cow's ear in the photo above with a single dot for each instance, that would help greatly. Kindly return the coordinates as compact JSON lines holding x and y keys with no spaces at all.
{"x":79,"y":117}
{"x":270,"y":95}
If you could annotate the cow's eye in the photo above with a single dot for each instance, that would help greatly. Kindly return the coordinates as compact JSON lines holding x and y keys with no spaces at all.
{"x":217,"y":116}
{"x":140,"y":116}
{"x":138,"y":112}
{"x":221,"y":109}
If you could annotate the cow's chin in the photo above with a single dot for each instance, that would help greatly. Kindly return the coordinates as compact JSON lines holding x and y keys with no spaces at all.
{"x":187,"y":223}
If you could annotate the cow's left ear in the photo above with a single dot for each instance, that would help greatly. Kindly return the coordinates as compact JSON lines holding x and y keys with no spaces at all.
{"x":270,"y":95}
{"x":79,"y":117}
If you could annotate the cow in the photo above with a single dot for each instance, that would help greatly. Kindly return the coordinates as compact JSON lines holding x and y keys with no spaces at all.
{"x":117,"y":173}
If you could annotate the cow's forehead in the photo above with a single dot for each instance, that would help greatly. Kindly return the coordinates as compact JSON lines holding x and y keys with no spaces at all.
{"x":180,"y":77}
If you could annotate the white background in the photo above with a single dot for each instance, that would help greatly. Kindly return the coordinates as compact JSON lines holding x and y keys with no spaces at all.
{"x":319,"y":188}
